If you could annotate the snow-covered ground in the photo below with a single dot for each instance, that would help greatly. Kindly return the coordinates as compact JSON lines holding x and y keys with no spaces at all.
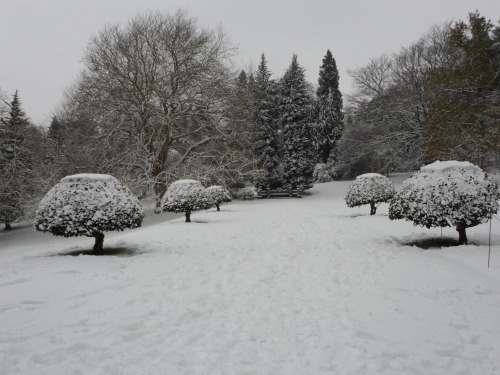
{"x":284,"y":286}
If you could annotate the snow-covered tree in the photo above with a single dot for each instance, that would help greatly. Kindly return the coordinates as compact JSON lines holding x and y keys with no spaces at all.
{"x":186,"y":196}
{"x":444,"y":194}
{"x":268,"y":147}
{"x":246,"y":193}
{"x":295,"y":117}
{"x":329,"y":108}
{"x":88,"y":205}
{"x":16,"y":161}
{"x":158,"y":82}
{"x":369,"y":188}
{"x":219,"y":195}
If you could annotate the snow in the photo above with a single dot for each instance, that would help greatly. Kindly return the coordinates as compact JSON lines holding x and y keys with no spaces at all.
{"x":289,"y":286}
{"x":369,"y":175}
{"x":441,"y":166}
{"x":88,"y":177}
{"x":185,"y":182}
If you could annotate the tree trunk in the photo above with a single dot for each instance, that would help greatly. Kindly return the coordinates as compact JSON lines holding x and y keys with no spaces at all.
{"x":7,"y":226}
{"x":159,"y":190}
{"x":158,"y":208}
{"x":188,"y":216}
{"x":373,"y":209}
{"x":99,"y":241}
{"x":218,"y":207}
{"x":462,"y":236}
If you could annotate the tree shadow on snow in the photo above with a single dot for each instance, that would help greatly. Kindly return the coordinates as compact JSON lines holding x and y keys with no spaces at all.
{"x":353,"y":216}
{"x":191,"y":222}
{"x":434,"y":242}
{"x":107,"y":251}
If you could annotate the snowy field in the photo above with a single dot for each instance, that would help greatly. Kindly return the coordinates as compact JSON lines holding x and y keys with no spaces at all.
{"x":284,"y":286}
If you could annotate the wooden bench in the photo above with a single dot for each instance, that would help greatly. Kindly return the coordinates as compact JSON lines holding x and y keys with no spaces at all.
{"x":279,"y":193}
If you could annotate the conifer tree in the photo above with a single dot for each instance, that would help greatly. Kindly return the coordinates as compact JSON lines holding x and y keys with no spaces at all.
{"x":329,"y":110}
{"x":462,"y":121}
{"x":295,"y":118}
{"x":15,"y":162}
{"x":268,"y":147}
{"x":242,"y":79}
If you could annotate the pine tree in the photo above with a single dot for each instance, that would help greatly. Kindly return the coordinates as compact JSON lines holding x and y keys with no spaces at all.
{"x":329,"y":110}
{"x":496,"y":33}
{"x":462,"y":121}
{"x":295,"y":119}
{"x":268,"y":147}
{"x":15,"y":162}
{"x":242,"y":80}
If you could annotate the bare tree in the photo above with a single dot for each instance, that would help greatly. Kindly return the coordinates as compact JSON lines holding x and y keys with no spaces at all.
{"x":158,"y":86}
{"x":389,"y":107}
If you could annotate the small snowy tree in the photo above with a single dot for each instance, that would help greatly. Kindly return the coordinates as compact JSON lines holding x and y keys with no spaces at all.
{"x":246,"y":193}
{"x":369,"y":188}
{"x":88,"y":205}
{"x":186,"y":196}
{"x":219,"y":195}
{"x":444,"y":194}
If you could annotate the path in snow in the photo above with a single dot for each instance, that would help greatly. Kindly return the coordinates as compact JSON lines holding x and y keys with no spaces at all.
{"x":285,"y":286}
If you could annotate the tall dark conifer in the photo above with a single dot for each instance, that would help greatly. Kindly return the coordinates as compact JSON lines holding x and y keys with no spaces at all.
{"x":329,"y":110}
{"x":268,"y":148}
{"x":297,"y":129}
{"x":15,"y":162}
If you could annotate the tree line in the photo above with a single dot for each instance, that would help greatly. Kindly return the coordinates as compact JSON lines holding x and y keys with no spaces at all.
{"x":159,"y":100}
{"x":437,"y":99}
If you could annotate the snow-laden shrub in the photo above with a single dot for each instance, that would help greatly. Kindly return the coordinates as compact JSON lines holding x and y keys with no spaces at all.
{"x":186,"y":196}
{"x":324,"y":172}
{"x":448,"y":193}
{"x":88,"y":205}
{"x":246,"y":193}
{"x":369,"y":188}
{"x":219,"y":195}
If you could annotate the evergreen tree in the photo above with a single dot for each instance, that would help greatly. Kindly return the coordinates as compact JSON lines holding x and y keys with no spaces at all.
{"x":268,"y":147}
{"x":328,"y":110}
{"x":242,"y":80}
{"x":463,"y":120}
{"x":15,"y":162}
{"x":295,"y":119}
{"x":496,"y":33}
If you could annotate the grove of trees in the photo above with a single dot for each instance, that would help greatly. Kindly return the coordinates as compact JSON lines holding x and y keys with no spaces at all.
{"x":435,"y":99}
{"x":160,"y":100}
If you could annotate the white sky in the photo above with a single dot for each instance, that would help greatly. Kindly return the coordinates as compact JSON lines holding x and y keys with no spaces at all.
{"x":42,"y":41}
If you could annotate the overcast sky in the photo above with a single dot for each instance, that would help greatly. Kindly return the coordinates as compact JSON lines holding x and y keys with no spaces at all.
{"x":42,"y":41}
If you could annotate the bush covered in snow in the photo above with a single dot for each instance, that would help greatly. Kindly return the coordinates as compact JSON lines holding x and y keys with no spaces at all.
{"x":246,"y":193}
{"x":369,"y":188}
{"x":88,"y":205}
{"x":219,"y":195}
{"x":324,"y":172}
{"x":444,"y":194}
{"x":186,"y":196}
